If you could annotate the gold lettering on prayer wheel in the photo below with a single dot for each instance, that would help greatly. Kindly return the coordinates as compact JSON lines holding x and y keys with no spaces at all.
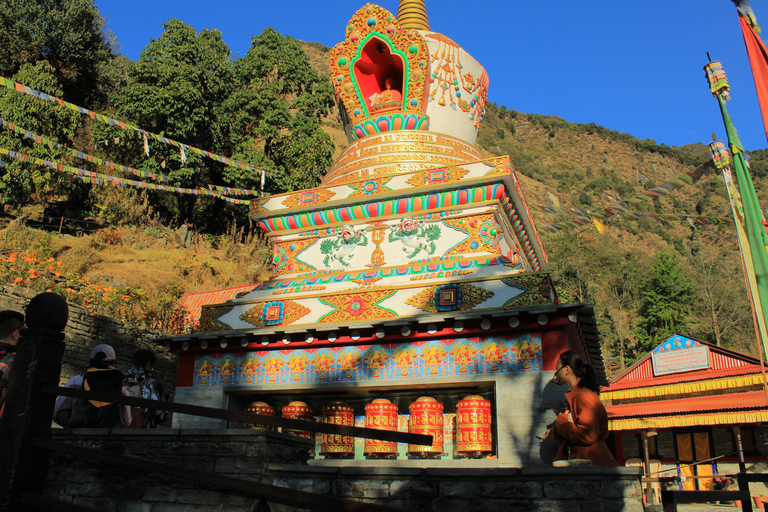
{"x":298,"y":411}
{"x":473,"y":427}
{"x":426,"y":417}
{"x":259,"y":408}
{"x":381,"y":414}
{"x":335,"y":446}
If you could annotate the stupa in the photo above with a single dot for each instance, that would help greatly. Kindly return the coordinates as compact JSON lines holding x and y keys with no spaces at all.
{"x":411,"y":279}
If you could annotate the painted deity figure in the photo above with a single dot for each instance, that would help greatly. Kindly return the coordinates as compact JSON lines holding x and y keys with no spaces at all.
{"x":494,"y":353}
{"x":388,"y":94}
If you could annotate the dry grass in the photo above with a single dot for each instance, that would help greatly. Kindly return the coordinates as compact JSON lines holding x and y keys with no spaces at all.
{"x":150,"y":260}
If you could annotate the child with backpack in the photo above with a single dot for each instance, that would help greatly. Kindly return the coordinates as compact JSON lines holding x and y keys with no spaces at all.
{"x":101,"y":375}
{"x":140,"y":382}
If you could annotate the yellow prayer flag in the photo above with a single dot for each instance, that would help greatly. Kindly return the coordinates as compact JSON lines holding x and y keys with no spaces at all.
{"x":598,"y":225}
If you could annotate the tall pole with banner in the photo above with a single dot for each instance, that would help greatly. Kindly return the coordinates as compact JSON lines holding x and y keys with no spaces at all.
{"x":750,"y":223}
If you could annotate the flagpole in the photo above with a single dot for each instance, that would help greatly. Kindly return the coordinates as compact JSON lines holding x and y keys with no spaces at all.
{"x":747,"y":214}
{"x":721,"y":159}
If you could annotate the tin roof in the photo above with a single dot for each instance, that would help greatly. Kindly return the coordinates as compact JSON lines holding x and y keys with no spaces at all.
{"x":690,"y":405}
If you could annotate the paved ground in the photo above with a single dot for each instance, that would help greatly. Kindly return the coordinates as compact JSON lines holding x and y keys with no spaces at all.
{"x":709,"y":507}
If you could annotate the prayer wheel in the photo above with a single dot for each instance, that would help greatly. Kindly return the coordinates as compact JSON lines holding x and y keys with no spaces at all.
{"x":426,"y":418}
{"x":473,"y":427}
{"x":259,"y":408}
{"x":298,"y":411}
{"x":335,"y":446}
{"x":381,"y":414}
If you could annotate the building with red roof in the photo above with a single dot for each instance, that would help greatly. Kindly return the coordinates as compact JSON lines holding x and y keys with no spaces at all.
{"x":686,"y":409}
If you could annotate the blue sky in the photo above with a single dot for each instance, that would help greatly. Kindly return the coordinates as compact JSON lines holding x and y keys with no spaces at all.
{"x":630,"y":66}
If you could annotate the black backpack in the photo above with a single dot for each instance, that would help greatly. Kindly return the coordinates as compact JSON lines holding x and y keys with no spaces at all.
{"x":95,"y":414}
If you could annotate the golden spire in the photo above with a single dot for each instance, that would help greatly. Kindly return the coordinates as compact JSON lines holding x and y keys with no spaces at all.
{"x":413,"y":14}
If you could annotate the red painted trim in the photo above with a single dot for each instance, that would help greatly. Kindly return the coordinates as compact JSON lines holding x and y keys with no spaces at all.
{"x":186,"y":373}
{"x":553,"y":343}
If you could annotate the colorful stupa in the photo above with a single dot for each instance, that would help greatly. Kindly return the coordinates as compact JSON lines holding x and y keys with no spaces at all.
{"x":411,"y":280}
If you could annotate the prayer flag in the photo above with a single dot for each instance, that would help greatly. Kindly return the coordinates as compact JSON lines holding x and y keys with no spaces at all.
{"x":758,"y":60}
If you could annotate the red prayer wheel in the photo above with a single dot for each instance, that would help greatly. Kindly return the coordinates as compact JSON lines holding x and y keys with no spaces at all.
{"x":381,"y":414}
{"x":333,"y":445}
{"x":426,"y":418}
{"x":298,"y":411}
{"x":473,"y":427}
{"x":259,"y":408}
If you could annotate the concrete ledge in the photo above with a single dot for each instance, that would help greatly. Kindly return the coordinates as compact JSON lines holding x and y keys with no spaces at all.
{"x":583,"y":471}
{"x":473,"y":472}
{"x":371,"y":471}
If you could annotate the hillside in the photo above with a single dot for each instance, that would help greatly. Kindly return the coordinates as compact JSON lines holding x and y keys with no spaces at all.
{"x":120,"y":256}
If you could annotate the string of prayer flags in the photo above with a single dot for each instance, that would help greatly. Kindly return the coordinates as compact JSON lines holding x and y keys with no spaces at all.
{"x":102,"y":179}
{"x":106,"y":163}
{"x":15,"y":86}
{"x":235,"y":191}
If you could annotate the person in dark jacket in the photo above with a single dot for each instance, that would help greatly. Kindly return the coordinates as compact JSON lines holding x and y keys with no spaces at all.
{"x":11,"y":323}
{"x":582,"y":426}
{"x":141,"y":382}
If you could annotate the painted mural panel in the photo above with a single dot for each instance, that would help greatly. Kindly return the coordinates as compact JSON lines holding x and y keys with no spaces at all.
{"x":424,"y":359}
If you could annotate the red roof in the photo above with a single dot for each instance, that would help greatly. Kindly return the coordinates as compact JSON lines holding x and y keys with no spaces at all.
{"x":194,"y":302}
{"x":677,"y":378}
{"x":725,"y":363}
{"x":709,"y":403}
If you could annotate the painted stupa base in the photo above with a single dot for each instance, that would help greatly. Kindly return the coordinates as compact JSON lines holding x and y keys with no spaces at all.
{"x":414,"y":269}
{"x":399,"y":152}
{"x":446,"y":239}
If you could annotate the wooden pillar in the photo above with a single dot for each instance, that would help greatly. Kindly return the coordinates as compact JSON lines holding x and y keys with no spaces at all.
{"x":28,"y":412}
{"x":649,"y":495}
{"x":740,"y":448}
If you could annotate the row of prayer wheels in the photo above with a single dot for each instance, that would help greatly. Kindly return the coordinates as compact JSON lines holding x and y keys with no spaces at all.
{"x":473,"y":426}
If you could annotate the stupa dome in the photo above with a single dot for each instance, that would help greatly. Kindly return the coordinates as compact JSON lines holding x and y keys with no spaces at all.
{"x":409,"y":98}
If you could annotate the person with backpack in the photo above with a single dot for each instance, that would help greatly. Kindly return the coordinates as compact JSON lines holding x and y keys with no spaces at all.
{"x":101,"y":375}
{"x":11,"y":323}
{"x":140,"y":382}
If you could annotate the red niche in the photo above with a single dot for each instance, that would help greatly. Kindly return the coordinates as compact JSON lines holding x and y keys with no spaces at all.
{"x":259,"y":408}
{"x":298,"y":411}
{"x":426,"y":418}
{"x":473,"y":427}
{"x":381,"y":414}
{"x":335,"y":446}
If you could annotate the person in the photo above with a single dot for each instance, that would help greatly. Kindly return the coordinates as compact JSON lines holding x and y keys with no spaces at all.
{"x":139,"y":381}
{"x":582,"y":425}
{"x":11,"y":323}
{"x":388,"y":94}
{"x":101,"y":375}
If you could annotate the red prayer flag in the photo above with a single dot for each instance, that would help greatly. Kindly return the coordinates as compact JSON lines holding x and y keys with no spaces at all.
{"x":758,"y":60}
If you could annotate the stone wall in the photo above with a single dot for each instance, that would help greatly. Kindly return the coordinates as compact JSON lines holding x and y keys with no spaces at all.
{"x":84,"y":332}
{"x":278,"y":459}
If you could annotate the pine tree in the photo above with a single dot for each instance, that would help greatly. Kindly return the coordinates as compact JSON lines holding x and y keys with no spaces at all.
{"x":665,"y":305}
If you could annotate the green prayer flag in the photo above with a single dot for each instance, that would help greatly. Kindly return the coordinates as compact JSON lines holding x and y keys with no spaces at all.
{"x":753,"y":216}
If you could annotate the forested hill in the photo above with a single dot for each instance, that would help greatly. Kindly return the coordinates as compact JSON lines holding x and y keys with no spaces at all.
{"x":121,"y":253}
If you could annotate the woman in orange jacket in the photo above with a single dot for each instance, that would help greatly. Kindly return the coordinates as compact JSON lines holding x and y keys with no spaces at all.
{"x":582,"y":425}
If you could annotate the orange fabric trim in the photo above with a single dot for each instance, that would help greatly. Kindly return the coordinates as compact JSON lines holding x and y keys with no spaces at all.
{"x":737,"y":418}
{"x":688,"y":387}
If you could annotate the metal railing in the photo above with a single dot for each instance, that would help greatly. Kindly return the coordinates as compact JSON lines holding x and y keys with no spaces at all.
{"x":25,"y":443}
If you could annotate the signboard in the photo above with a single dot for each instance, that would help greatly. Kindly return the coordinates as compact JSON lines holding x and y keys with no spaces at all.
{"x":680,"y":360}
